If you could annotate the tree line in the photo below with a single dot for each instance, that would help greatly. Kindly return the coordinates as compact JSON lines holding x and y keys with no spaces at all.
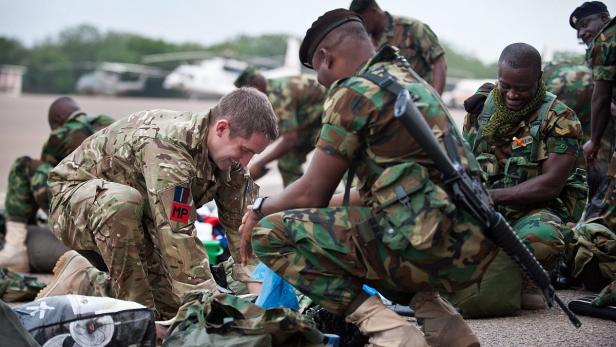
{"x":55,"y":64}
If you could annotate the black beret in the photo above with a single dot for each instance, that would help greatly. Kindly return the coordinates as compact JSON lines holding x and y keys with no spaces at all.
{"x":320,"y":28}
{"x":586,"y":9}
{"x":360,"y":6}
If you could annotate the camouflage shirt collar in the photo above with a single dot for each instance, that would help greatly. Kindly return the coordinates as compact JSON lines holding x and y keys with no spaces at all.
{"x":389,"y":27}
{"x":75,"y":115}
{"x":386,"y":53}
{"x":608,"y":24}
{"x":206,"y":166}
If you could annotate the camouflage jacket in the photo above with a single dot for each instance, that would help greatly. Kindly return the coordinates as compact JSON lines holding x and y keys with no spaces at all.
{"x":601,"y":54}
{"x":298,"y":104}
{"x":162,"y":154}
{"x":572,"y":84}
{"x":416,"y":41}
{"x":359,"y":123}
{"x":63,"y":140}
{"x":553,"y":128}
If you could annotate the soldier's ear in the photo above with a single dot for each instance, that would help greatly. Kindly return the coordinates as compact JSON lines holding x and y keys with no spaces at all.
{"x":221,"y":125}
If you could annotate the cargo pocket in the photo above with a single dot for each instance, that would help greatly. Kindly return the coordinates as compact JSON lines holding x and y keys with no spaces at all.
{"x":489,"y":165}
{"x":314,"y":230}
{"x":412,"y":206}
{"x":520,"y":169}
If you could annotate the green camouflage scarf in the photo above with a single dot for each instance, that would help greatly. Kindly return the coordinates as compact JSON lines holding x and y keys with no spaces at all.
{"x":504,"y":119}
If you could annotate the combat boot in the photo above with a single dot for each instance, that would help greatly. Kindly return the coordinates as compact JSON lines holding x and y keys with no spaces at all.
{"x":442,"y":324}
{"x":531,"y":297}
{"x":70,"y":276}
{"x":14,"y":255}
{"x":383,"y":326}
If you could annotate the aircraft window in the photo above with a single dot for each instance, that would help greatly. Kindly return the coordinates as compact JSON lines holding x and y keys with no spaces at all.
{"x":233,"y":69}
{"x":129,"y":76}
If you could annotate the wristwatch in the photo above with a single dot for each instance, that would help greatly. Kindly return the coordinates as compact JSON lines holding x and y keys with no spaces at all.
{"x":256,"y":206}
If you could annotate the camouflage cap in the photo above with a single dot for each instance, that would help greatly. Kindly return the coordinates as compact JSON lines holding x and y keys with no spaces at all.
{"x":245,"y":76}
{"x":586,"y":9}
{"x":320,"y":28}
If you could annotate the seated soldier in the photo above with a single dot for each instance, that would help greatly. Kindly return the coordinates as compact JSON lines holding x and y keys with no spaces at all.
{"x":572,"y":85}
{"x":526,"y":142}
{"x":27,"y":188}
{"x":403,"y":234}
{"x":298,"y":104}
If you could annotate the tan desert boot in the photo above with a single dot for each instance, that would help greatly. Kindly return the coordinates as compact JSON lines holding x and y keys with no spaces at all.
{"x":70,"y":276}
{"x":531,"y":297}
{"x":14,"y":254}
{"x":442,"y":324}
{"x":384,"y":326}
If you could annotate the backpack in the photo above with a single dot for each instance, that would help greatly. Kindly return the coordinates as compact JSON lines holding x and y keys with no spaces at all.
{"x":207,"y":319}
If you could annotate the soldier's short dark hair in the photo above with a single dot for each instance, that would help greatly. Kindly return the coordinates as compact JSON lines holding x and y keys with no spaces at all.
{"x":587,"y":9}
{"x":359,"y":6}
{"x":521,"y":55}
{"x":246,"y":76}
{"x":247,"y":110}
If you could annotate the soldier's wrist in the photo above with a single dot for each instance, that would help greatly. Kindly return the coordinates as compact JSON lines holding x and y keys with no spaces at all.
{"x":257,"y":207}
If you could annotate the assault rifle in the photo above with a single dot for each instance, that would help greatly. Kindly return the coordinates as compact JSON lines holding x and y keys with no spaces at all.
{"x":467,"y":191}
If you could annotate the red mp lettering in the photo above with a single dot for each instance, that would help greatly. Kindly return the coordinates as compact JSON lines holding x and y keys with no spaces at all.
{"x":179,"y":212}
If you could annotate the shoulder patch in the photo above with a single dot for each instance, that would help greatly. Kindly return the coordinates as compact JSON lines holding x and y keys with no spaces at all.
{"x":559,"y":107}
{"x":561,"y":131}
{"x":178,"y":206}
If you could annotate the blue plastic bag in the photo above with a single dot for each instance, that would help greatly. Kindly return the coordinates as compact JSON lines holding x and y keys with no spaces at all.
{"x":275,"y":292}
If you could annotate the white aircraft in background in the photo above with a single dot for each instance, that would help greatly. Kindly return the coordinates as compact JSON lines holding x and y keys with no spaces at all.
{"x":117,"y":79}
{"x":214,"y":77}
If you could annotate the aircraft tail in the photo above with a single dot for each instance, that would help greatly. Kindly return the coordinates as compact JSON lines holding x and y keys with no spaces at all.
{"x":291,"y":58}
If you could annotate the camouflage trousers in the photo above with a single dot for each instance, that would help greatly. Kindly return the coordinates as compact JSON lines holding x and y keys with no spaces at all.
{"x":108,"y":218}
{"x":602,"y":207}
{"x":329,"y":253}
{"x":607,"y":296}
{"x":593,"y":254}
{"x":543,"y":232}
{"x":27,"y":190}
{"x":290,"y":165}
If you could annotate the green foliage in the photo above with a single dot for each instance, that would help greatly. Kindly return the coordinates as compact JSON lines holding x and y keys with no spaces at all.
{"x":568,"y":56}
{"x":249,"y":46}
{"x":49,"y":71}
{"x":55,"y":64}
{"x":466,"y":66}
{"x":11,"y":51}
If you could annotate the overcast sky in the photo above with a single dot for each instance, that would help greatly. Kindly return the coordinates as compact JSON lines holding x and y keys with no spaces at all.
{"x":479,"y":27}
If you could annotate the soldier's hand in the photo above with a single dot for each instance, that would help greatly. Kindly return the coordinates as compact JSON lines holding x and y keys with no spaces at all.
{"x":248,"y":223}
{"x":590,"y":152}
{"x":257,"y":170}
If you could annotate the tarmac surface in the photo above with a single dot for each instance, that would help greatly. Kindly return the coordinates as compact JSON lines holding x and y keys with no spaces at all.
{"x":24,"y":130}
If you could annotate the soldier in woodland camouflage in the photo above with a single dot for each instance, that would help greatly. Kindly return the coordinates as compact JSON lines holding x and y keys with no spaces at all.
{"x":526,"y":142}
{"x":416,"y":41}
{"x":27,"y":188}
{"x":129,"y":194}
{"x":298,"y":104}
{"x":594,"y":26}
{"x":401,"y":234}
{"x":572,"y":84}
